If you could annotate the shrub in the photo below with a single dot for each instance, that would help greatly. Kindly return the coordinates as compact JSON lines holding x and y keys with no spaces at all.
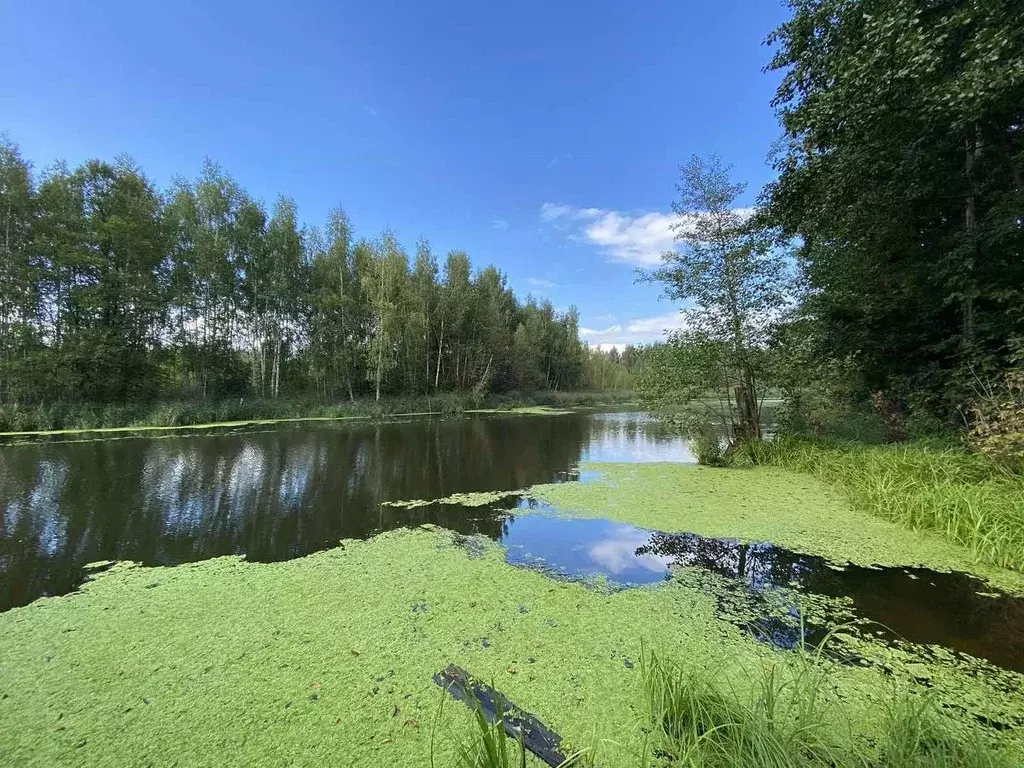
{"x":997,"y":421}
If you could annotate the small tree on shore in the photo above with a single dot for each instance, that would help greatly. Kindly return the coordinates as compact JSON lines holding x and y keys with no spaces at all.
{"x":735,"y":283}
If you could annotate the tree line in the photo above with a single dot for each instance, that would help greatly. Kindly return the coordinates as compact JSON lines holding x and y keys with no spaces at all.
{"x":112,"y":290}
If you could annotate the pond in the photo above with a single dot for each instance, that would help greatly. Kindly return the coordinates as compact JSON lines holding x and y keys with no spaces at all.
{"x":278,"y":493}
{"x":282,"y":492}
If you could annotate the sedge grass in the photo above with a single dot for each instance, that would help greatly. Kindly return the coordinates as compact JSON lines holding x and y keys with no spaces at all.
{"x":966,"y":497}
{"x":787,"y":714}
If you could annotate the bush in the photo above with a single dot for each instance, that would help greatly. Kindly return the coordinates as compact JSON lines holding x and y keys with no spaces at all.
{"x":997,"y":421}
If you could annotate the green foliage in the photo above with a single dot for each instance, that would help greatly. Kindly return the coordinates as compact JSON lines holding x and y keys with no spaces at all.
{"x":966,"y":497}
{"x":606,"y":371}
{"x":786,"y":722}
{"x":915,"y":736}
{"x":707,"y":447}
{"x":793,"y":719}
{"x":84,"y":416}
{"x":737,"y":284}
{"x":112,"y":292}
{"x":997,"y":420}
{"x":900,"y":178}
{"x":490,"y":746}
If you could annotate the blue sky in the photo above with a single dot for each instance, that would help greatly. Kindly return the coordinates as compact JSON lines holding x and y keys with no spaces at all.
{"x":543,"y":137}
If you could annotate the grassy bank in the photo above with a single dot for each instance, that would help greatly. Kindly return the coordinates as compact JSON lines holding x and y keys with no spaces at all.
{"x":963,"y":496}
{"x":71,"y":417}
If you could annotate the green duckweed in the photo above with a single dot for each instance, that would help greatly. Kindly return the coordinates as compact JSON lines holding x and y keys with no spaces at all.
{"x":789,"y":509}
{"x":227,"y":662}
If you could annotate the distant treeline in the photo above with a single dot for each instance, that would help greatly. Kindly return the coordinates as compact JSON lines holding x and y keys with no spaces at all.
{"x":112,"y":290}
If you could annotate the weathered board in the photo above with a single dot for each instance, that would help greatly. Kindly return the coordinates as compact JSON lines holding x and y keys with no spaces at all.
{"x":540,"y":740}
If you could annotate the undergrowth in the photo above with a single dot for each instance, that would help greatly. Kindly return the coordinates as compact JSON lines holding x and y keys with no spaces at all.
{"x":74,"y":416}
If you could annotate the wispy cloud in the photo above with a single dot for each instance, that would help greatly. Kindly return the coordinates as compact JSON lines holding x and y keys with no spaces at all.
{"x":540,"y":283}
{"x":557,"y":160}
{"x":501,"y":224}
{"x":641,"y":330}
{"x":551,"y":211}
{"x":370,"y":111}
{"x":633,"y":238}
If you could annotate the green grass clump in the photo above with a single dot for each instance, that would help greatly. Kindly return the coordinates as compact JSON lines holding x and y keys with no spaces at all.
{"x":792,"y":718}
{"x":489,"y":745}
{"x":785,"y":720}
{"x":963,"y":496}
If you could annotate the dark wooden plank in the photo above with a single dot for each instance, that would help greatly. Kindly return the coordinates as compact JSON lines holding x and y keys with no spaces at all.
{"x":538,"y":738}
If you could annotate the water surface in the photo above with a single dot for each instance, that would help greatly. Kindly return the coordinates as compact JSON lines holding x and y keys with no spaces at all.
{"x":916,"y":605}
{"x":278,"y":493}
{"x":283,"y":492}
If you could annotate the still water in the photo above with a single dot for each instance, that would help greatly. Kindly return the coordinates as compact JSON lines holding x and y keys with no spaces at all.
{"x":278,"y":493}
{"x":275,"y":494}
{"x":916,"y":605}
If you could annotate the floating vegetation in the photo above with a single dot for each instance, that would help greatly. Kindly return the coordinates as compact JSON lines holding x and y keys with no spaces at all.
{"x":762,"y":504}
{"x":480,"y":499}
{"x":308,"y":650}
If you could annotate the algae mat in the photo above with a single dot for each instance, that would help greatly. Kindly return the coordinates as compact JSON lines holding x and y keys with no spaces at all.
{"x":325,"y":660}
{"x":328,"y":659}
{"x":788,"y":509}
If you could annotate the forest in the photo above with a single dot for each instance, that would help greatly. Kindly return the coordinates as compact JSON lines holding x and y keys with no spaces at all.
{"x":882,"y":271}
{"x":114,"y":291}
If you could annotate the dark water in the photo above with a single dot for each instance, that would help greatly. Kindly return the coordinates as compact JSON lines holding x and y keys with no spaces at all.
{"x":912,"y":604}
{"x":275,"y":494}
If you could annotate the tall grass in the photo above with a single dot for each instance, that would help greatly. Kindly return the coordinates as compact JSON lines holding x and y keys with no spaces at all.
{"x":784,"y":720}
{"x":789,"y":718}
{"x":964,"y":496}
{"x":490,"y":746}
{"x":785,"y":713}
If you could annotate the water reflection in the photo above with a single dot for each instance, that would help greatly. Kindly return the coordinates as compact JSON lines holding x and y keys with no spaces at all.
{"x":636,"y":438}
{"x":277,"y":494}
{"x":913,"y":604}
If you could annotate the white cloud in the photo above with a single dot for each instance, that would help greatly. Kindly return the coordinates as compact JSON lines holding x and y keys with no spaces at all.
{"x":540,"y":283}
{"x":641,"y":330}
{"x":615,"y":555}
{"x":501,"y":224}
{"x":638,"y":239}
{"x":370,"y":111}
{"x":551,"y":211}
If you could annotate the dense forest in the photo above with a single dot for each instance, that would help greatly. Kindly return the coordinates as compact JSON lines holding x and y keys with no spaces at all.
{"x":900,"y":180}
{"x":883,"y":268}
{"x":114,"y":291}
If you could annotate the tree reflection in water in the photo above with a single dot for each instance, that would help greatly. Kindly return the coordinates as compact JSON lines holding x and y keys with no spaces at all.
{"x":275,"y":494}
